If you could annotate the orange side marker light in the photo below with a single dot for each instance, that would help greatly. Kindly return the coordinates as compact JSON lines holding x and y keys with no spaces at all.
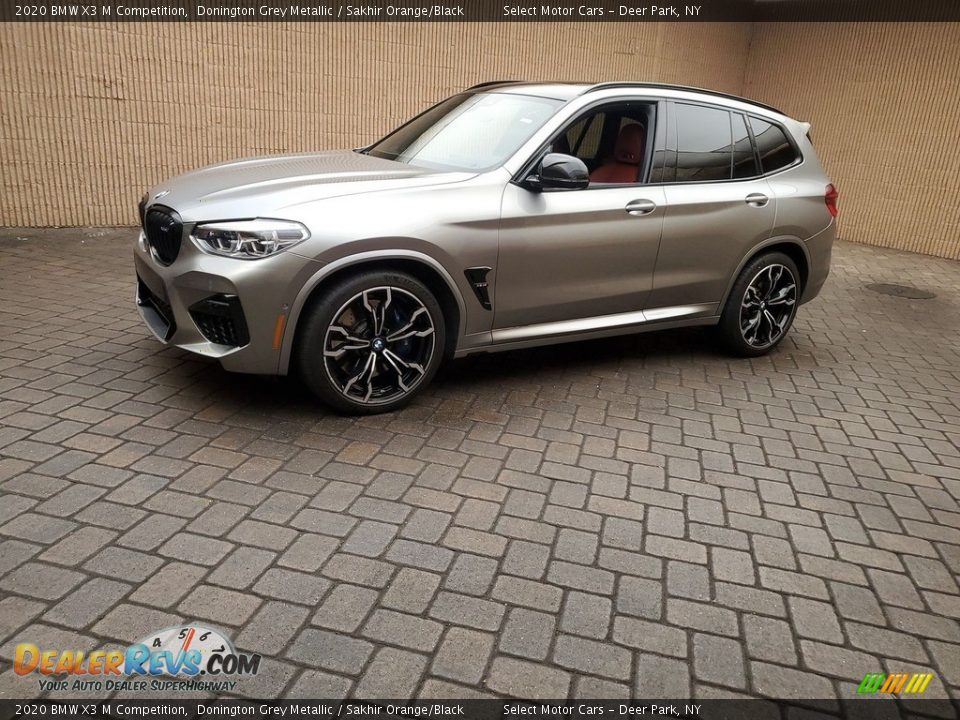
{"x":278,"y":330}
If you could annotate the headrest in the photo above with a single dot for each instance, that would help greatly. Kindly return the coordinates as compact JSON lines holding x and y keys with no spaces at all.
{"x":629,"y":147}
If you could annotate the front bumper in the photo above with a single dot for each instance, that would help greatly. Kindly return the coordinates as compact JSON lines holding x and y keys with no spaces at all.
{"x":232,"y":310}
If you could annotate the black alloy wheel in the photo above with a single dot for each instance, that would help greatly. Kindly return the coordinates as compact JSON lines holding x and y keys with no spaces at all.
{"x":761,"y":305}
{"x":372,"y":342}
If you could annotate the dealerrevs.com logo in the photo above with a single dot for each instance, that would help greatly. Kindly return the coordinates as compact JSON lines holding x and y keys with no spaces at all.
{"x":175,"y":658}
{"x":894,"y":683}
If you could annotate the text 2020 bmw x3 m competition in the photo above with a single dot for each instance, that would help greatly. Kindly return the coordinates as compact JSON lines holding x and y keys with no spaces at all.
{"x":510,"y":215}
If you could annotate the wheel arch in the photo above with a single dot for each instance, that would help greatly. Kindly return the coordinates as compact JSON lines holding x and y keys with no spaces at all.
{"x":792,"y":247}
{"x":421,"y":266}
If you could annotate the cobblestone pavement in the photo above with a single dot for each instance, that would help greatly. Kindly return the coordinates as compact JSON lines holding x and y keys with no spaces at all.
{"x":634,"y":516}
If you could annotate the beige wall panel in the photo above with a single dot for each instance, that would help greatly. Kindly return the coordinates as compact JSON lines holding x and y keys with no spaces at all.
{"x":94,"y":113}
{"x":884,"y":102}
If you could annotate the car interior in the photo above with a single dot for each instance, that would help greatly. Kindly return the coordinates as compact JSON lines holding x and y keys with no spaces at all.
{"x":612,"y":141}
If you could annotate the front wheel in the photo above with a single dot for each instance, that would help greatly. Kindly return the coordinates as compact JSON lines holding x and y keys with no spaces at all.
{"x":761,"y":305}
{"x":372,"y":342}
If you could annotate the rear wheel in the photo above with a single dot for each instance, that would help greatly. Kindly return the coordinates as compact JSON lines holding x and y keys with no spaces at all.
{"x":761,"y":305}
{"x":372,"y":343}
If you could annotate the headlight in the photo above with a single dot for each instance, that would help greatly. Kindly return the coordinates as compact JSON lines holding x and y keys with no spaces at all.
{"x":248,"y":239}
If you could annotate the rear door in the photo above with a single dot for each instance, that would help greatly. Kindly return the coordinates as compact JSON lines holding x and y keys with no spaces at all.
{"x":719,"y":207}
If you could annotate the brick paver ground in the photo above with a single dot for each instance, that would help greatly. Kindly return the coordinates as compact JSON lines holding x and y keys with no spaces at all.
{"x":635,"y":516}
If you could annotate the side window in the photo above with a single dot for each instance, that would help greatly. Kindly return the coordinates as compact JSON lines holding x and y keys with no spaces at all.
{"x":582,"y":139}
{"x":744,"y":160}
{"x":612,"y":140}
{"x":774,"y":148}
{"x":565,"y":142}
{"x":624,"y":144}
{"x":588,"y":143}
{"x":704,"y":143}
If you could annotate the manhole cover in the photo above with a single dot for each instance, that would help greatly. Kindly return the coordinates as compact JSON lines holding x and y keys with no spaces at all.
{"x":904,"y":291}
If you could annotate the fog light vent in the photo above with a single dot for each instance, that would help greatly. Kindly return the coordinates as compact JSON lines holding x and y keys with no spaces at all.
{"x":220,"y":320}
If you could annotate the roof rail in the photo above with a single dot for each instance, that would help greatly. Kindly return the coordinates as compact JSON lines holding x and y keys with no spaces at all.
{"x":490,"y":83}
{"x":687,"y":88}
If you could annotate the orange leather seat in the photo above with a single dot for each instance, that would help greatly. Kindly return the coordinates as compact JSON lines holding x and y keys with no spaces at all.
{"x":627,"y":156}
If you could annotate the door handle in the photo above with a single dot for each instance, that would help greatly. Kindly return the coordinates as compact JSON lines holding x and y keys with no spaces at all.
{"x":756,"y":200}
{"x":640,"y":207}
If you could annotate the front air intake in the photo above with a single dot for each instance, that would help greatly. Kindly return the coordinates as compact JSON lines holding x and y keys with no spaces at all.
{"x":220,"y":320}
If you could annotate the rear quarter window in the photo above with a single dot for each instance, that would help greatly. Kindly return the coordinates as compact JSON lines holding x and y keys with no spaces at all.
{"x":773,"y":146}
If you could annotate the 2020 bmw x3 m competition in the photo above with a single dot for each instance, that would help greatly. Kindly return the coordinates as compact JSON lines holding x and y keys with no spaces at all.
{"x":510,"y":215}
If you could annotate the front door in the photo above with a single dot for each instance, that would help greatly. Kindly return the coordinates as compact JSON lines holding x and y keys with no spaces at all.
{"x":569,"y":260}
{"x":576,"y":254}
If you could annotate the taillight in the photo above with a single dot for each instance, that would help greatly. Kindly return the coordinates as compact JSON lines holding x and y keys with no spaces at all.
{"x":830,"y":198}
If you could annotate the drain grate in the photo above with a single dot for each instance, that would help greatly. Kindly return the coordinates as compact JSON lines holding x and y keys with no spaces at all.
{"x":903,"y":291}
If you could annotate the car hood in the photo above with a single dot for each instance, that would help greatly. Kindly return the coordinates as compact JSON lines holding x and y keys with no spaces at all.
{"x":266,"y":186}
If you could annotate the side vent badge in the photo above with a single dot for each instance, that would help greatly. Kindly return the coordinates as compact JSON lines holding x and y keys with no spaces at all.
{"x":477,"y":277}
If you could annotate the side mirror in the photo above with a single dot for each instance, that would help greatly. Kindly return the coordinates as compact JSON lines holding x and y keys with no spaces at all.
{"x":560,"y":172}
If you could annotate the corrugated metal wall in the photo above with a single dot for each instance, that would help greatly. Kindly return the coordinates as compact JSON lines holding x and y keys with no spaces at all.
{"x":93,"y":113}
{"x":884,"y":102}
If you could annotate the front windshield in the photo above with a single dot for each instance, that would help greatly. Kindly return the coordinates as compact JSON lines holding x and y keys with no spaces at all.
{"x":471,"y":132}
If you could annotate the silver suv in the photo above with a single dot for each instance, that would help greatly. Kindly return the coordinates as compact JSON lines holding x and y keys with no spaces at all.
{"x":511,"y":215}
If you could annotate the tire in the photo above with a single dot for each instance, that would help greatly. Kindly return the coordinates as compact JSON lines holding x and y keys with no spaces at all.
{"x":761,"y":306}
{"x":371,"y":343}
